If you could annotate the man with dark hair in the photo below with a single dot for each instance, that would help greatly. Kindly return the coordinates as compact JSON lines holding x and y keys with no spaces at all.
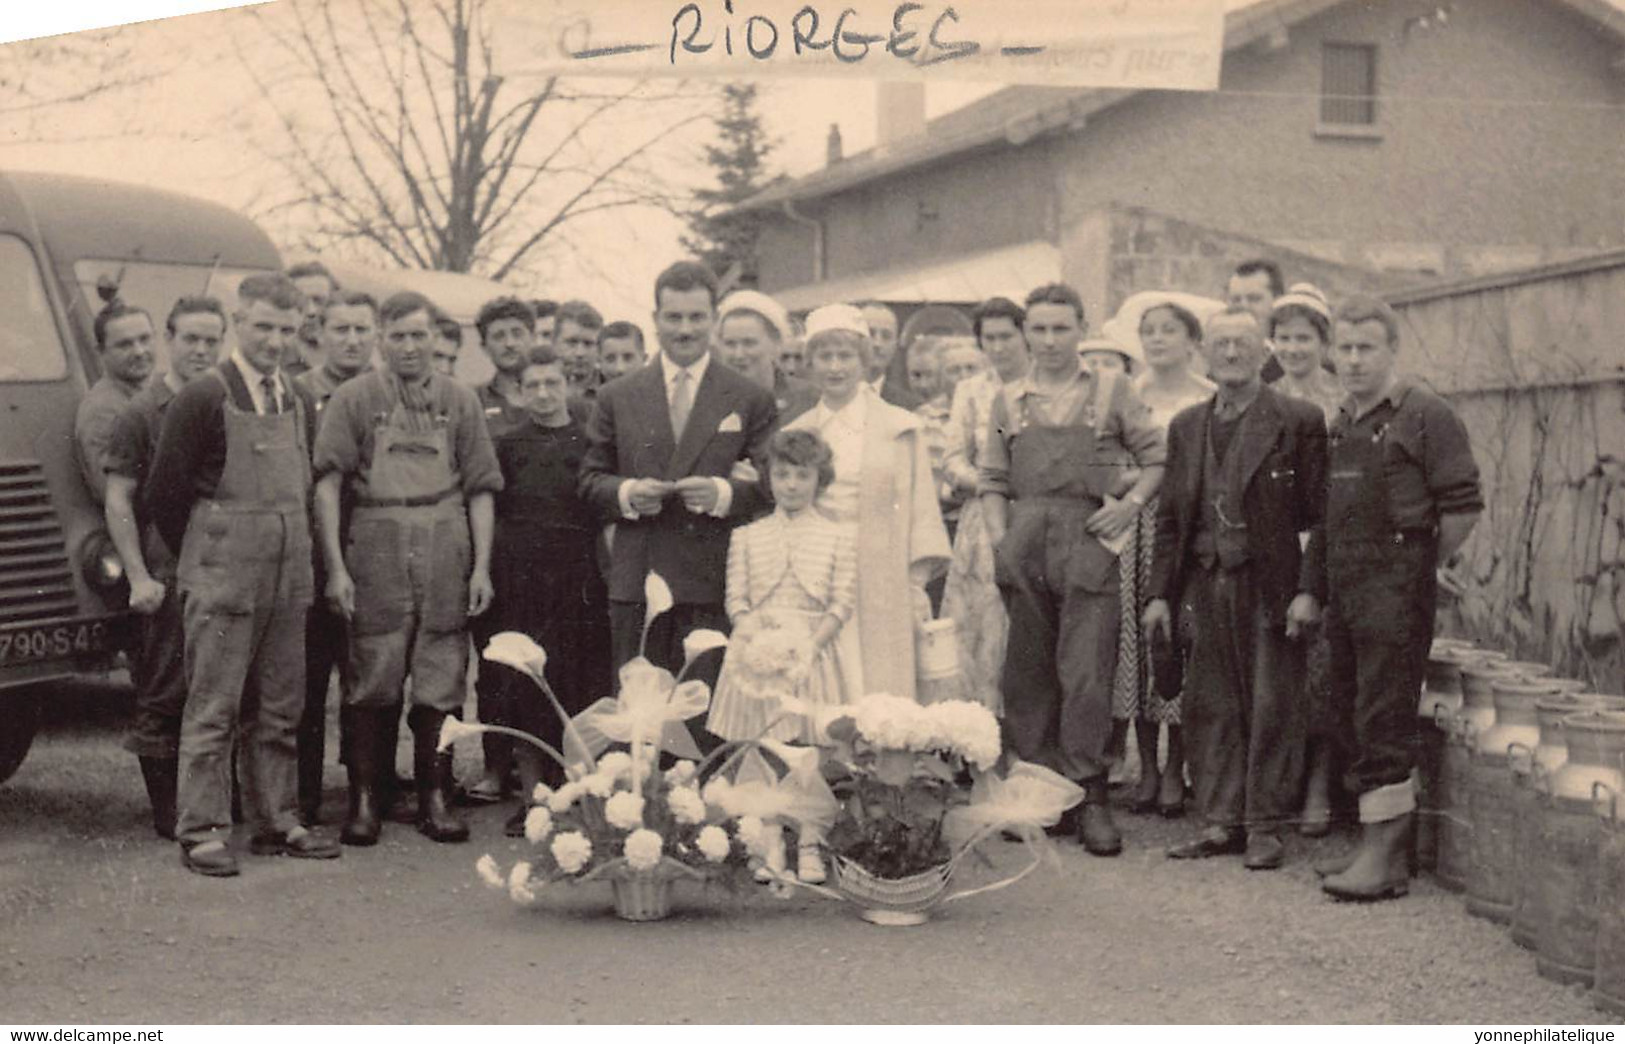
{"x":1246,"y":475}
{"x":230,"y":493}
{"x":448,"y":344}
{"x":547,"y":317}
{"x":883,"y":336}
{"x":620,"y":349}
{"x":124,"y":350}
{"x":507,"y":329}
{"x":575,"y":341}
{"x":195,"y":328}
{"x":1402,"y":498}
{"x":661,"y":446}
{"x":318,"y":285}
{"x":1254,"y":285}
{"x":348,"y":325}
{"x":411,"y":448}
{"x":1071,"y":456}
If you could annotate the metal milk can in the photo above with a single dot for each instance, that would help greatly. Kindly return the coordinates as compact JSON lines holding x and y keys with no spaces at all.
{"x":1608,"y":985}
{"x":1455,"y":831}
{"x":1492,"y":790}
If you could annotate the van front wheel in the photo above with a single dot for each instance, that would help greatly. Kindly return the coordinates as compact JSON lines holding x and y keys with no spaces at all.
{"x":21,"y":718}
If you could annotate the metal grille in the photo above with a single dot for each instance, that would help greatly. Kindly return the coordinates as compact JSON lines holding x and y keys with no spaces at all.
{"x":36,"y":583}
{"x":1348,"y":84}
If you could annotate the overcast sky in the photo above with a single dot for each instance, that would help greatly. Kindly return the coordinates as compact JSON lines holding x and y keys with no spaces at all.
{"x":191,"y":127}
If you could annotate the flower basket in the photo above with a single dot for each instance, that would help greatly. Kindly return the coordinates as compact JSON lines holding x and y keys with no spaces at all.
{"x":903,"y":901}
{"x":642,"y":895}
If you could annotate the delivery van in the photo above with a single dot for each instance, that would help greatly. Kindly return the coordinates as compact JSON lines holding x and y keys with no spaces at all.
{"x":62,"y":241}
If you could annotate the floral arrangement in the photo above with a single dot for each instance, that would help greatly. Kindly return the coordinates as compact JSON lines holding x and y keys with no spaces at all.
{"x":618,"y":816}
{"x":898,"y":770}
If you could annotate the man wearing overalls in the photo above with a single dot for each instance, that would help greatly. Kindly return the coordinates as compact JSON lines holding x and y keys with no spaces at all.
{"x":230,"y":489}
{"x":1072,"y":456}
{"x":1402,"y":496}
{"x":413,"y":447}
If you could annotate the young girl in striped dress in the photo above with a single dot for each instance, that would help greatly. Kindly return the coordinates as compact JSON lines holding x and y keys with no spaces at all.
{"x":792,"y":585}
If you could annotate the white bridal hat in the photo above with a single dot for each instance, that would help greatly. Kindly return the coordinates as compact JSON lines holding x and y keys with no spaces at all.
{"x":836,"y":317}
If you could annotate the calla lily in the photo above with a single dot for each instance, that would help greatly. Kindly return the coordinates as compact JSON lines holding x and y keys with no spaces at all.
{"x":651,"y":708}
{"x":698,"y":643}
{"x":656,"y":597}
{"x":452,"y":730}
{"x":517,"y":651}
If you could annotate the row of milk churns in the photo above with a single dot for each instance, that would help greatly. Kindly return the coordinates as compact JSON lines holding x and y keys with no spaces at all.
{"x":1524,"y":809}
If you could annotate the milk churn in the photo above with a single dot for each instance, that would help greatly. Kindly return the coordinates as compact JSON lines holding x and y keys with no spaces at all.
{"x":1491,"y":792}
{"x":1441,"y":697}
{"x":1608,"y":986}
{"x":1563,"y":888}
{"x":1549,"y":755}
{"x":1455,"y":831}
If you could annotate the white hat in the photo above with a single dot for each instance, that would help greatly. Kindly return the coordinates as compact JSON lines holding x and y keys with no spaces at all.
{"x":1124,"y":327}
{"x":1129,"y":352}
{"x":1304,"y":295}
{"x":836,"y":317}
{"x":761,"y":304}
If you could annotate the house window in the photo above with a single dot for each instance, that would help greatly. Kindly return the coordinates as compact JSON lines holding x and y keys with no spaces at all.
{"x":1348,"y":85}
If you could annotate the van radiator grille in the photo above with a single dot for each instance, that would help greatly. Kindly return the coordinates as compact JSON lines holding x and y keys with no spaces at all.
{"x":36,"y":582}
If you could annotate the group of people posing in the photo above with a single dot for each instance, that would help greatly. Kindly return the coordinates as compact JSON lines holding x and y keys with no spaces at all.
{"x":1139,"y":533}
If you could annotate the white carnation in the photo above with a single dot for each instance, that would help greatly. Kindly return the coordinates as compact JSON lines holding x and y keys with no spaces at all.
{"x":643,"y":848}
{"x":565,"y":796}
{"x":713,"y":844}
{"x":716,"y":792}
{"x":624,"y":811}
{"x":600,"y":784}
{"x":686,"y":805}
{"x":538,"y":824}
{"x":680,"y":773}
{"x":541,"y":794}
{"x":571,"y":851}
{"x":615,"y":763}
{"x":751,"y":832}
{"x":487,"y":868}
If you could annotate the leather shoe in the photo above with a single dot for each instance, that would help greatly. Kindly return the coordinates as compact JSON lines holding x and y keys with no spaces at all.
{"x":1264,"y":852}
{"x":1066,"y":825}
{"x":298,"y":843}
{"x":209,"y":858}
{"x":514,"y":825}
{"x":1215,"y":842}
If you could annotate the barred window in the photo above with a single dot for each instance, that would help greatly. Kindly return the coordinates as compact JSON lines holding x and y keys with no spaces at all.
{"x":1348,"y":84}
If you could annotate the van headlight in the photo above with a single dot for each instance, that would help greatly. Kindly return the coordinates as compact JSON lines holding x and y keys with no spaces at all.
{"x":99,"y":562}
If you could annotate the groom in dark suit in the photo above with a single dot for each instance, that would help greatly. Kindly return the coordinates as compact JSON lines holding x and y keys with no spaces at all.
{"x":1246,"y":475}
{"x":660,"y":447}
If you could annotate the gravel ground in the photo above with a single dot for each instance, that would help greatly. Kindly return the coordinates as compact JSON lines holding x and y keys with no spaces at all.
{"x":102,"y":925}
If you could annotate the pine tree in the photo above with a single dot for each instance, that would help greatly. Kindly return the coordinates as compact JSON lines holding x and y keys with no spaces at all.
{"x":721,"y":239}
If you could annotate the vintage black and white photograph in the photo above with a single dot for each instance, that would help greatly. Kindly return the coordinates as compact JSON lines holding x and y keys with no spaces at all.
{"x":743,"y":512}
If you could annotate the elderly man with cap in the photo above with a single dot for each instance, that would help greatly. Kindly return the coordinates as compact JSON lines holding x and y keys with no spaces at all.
{"x":751,"y":330}
{"x":1071,"y":457}
{"x":412,"y":449}
{"x":1402,"y":496}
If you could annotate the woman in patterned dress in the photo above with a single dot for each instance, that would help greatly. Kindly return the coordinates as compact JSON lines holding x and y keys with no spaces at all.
{"x":1300,"y":326}
{"x":1169,"y":335}
{"x":971,"y":599}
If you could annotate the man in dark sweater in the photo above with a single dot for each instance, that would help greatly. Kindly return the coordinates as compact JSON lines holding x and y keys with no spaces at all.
{"x":230,"y":495}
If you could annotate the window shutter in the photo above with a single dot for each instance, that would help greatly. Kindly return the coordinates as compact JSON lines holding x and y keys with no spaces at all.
{"x":1348,"y":84}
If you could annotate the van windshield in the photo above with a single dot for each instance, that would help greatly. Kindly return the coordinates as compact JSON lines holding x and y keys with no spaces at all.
{"x":156,"y":286}
{"x":30,"y":347}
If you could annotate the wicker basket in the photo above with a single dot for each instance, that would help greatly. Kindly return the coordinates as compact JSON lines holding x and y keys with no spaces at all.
{"x":642,"y":896}
{"x":903,"y":901}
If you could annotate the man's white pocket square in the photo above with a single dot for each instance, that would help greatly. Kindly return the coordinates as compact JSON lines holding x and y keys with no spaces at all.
{"x":730,"y":423}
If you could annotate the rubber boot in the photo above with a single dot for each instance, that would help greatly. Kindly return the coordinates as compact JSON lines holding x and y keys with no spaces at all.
{"x":395,"y":790}
{"x":1145,"y":793}
{"x":161,"y":776}
{"x":1381,"y":868}
{"x":1096,"y":831}
{"x":1329,"y":866}
{"x":432,"y":771}
{"x":363,"y":821}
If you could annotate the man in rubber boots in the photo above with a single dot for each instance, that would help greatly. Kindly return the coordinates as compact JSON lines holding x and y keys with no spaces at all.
{"x":230,"y":490}
{"x":1246,"y":475}
{"x":411,"y":447}
{"x":194,"y":331}
{"x":346,"y":334}
{"x":1402,"y":496}
{"x":1072,"y":455}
